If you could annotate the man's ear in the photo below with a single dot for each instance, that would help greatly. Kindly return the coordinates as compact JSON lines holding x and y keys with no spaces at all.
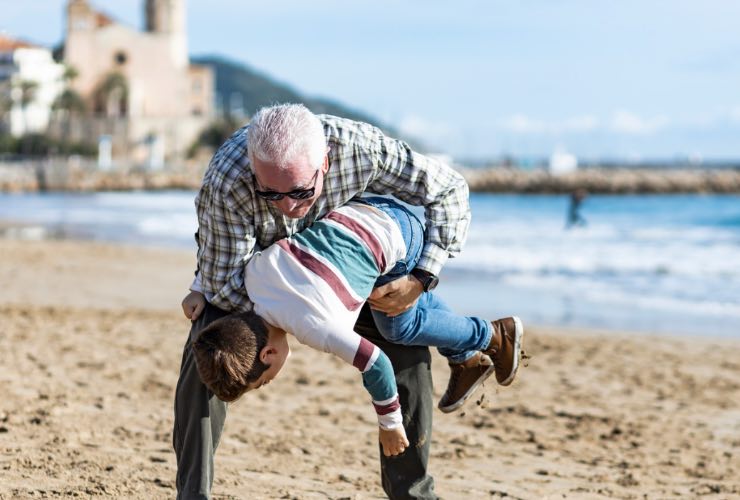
{"x":325,"y":166}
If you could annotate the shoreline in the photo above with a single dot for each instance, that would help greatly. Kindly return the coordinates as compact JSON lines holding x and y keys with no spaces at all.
{"x":470,"y":294}
{"x":51,"y":176}
{"x":95,"y":334}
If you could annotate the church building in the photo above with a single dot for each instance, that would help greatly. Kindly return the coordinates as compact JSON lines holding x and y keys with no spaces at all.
{"x":141,"y":92}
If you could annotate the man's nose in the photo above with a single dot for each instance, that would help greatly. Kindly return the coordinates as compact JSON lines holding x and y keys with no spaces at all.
{"x":287,"y":204}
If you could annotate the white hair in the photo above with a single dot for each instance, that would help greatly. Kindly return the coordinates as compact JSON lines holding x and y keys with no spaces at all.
{"x":280,"y":134}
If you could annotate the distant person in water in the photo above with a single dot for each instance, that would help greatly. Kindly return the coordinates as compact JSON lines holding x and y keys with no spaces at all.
{"x":574,"y":215}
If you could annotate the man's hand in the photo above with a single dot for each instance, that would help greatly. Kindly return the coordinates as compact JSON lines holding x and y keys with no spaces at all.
{"x":397,"y":296}
{"x":193,"y":304}
{"x":394,"y":441}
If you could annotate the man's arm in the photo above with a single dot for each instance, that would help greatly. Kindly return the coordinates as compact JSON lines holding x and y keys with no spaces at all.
{"x":226,"y":241}
{"x":423,"y":181}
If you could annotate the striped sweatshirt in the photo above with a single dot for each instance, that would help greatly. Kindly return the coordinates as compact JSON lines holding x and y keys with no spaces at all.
{"x":313,"y":283}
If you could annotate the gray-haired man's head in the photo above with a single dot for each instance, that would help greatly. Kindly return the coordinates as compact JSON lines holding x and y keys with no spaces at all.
{"x":287,"y":151}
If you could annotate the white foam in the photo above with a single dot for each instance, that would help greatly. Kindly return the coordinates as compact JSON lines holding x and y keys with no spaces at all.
{"x":179,"y":226}
{"x":655,"y":261}
{"x":673,"y":256}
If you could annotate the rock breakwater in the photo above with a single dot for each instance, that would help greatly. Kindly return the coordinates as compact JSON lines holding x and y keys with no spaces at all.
{"x":605,"y":181}
{"x":50,"y":176}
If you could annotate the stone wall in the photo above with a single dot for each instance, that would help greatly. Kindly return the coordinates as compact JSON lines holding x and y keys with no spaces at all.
{"x":83,"y":176}
{"x":607,"y":181}
{"x":71,"y":175}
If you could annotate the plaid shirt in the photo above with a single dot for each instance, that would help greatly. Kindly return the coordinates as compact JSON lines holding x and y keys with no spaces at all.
{"x":233,"y":222}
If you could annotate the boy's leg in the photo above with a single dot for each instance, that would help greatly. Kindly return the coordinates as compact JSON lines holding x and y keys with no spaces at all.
{"x":405,"y":476}
{"x":459,"y":338}
{"x":431,"y":323}
{"x":199,"y":420}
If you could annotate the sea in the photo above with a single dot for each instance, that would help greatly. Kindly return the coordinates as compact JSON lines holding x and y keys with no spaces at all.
{"x":658,"y":264}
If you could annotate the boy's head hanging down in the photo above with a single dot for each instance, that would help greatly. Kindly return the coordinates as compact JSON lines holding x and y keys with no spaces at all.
{"x":238,"y":353}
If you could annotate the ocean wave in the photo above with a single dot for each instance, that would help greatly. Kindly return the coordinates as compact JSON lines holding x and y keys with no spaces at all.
{"x":176,"y":226}
{"x":567,"y":258}
{"x":168,"y":201}
{"x":667,"y":256}
{"x":641,"y":292}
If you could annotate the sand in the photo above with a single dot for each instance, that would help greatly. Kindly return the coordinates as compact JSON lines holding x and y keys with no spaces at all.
{"x":90,"y":347}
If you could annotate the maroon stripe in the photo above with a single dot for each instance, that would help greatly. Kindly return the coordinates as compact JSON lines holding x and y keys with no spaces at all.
{"x":362,"y":356}
{"x":386,"y":409}
{"x":322,"y":271}
{"x":369,"y":238}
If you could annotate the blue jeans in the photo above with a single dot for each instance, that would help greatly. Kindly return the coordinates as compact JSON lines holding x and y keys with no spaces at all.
{"x":429,"y":322}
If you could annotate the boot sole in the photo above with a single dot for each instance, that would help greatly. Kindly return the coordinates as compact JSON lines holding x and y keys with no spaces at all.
{"x":518,"y":336}
{"x":457,"y":404}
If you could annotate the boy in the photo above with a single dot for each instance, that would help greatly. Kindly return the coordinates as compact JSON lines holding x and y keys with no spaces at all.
{"x":313,"y":284}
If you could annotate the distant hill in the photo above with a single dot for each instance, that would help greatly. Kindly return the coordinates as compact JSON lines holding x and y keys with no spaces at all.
{"x":258,"y":90}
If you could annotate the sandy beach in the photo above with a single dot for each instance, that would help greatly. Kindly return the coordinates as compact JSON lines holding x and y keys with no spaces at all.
{"x":90,"y":349}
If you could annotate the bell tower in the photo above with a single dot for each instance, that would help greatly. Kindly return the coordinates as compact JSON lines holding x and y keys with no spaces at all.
{"x":80,"y":17}
{"x":166,"y":18}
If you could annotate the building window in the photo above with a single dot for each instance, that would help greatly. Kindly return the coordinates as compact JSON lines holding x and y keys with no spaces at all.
{"x":120,"y":58}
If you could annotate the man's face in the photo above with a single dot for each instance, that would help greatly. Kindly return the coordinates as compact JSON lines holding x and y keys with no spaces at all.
{"x":299,"y":175}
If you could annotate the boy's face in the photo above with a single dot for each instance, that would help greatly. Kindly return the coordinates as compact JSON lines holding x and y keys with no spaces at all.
{"x":274,"y":354}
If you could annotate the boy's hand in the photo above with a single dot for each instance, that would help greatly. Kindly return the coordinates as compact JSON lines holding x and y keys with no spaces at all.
{"x":193,"y":304}
{"x":394,"y":441}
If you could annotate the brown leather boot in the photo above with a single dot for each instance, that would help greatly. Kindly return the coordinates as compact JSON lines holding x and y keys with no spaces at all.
{"x":505,"y":348}
{"x":464,"y":380}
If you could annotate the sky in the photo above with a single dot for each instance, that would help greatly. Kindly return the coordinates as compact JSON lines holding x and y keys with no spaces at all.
{"x":636,"y":80}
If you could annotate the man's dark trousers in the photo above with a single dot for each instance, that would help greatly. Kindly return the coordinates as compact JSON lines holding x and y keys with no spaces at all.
{"x":200,"y":416}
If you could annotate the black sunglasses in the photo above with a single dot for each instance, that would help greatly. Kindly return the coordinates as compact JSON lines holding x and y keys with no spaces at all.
{"x":296,"y":194}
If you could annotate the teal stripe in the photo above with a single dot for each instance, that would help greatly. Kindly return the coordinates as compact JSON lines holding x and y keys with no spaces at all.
{"x":379,"y":379}
{"x":336,"y":245}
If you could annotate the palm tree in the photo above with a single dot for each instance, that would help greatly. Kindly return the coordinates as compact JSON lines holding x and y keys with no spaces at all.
{"x":69,"y":75}
{"x":28,"y":90}
{"x":22,"y":92}
{"x":6,"y":104}
{"x":27,"y":96}
{"x":69,"y":104}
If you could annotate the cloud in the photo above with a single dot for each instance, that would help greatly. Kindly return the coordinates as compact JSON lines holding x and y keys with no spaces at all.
{"x":583,"y":123}
{"x":735,"y":114}
{"x":626,"y":122}
{"x":622,"y":122}
{"x":523,"y":124}
{"x":429,"y":131}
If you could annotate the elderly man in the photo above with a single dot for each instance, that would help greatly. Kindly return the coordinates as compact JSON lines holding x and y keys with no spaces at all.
{"x":271,"y":179}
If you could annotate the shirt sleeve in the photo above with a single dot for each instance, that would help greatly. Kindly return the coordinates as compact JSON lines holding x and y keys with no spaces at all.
{"x":226,"y":230}
{"x":377,"y":371}
{"x":424,"y":181}
{"x":226,"y":241}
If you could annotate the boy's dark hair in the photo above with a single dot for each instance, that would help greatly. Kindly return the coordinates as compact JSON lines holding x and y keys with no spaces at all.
{"x":227,"y":354}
